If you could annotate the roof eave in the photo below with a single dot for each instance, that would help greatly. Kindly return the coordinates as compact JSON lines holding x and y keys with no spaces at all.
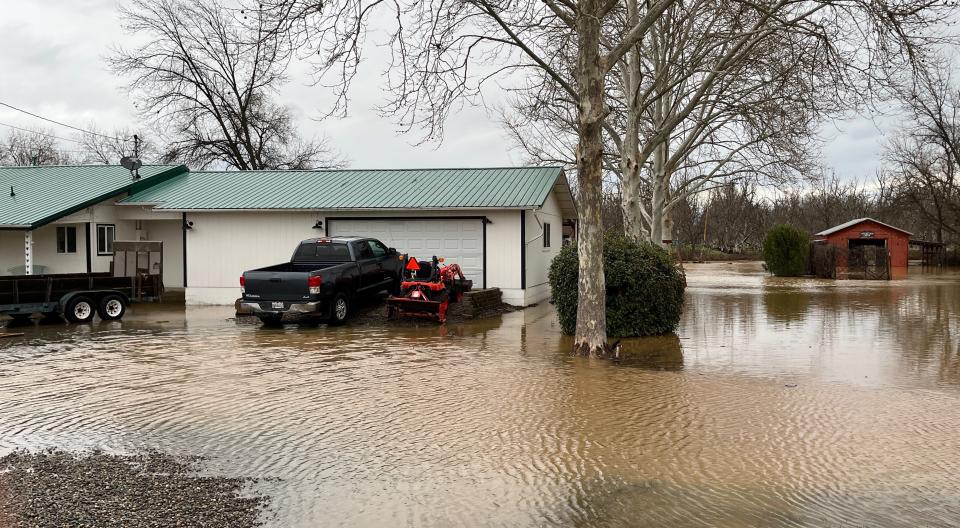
{"x":568,"y":204}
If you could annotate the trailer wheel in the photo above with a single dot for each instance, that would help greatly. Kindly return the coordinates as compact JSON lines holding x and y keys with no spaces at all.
{"x":79,"y":310}
{"x":339,"y":309}
{"x":111,"y":308}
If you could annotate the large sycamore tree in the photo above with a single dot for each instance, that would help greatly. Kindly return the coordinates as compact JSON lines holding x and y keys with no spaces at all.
{"x":442,"y":52}
{"x":723,"y":92}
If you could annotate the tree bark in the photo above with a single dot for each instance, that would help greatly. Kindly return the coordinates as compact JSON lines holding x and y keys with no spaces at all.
{"x":658,"y":194}
{"x":633,"y":221}
{"x":591,"y":333}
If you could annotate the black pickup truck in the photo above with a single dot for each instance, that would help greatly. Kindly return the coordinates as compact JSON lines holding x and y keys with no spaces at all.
{"x":322,"y":279}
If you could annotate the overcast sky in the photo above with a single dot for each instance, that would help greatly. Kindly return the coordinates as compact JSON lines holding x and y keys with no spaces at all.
{"x":51,"y":63}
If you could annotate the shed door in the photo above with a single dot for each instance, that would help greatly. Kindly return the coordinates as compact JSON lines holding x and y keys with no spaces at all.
{"x":456,"y":240}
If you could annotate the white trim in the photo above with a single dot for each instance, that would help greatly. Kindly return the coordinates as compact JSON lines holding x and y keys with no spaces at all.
{"x":852,"y":223}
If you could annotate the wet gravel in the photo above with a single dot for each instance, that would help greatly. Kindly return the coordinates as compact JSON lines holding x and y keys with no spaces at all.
{"x":155,"y":490}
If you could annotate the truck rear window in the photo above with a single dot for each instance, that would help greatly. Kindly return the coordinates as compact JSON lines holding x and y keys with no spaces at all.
{"x":323,"y":251}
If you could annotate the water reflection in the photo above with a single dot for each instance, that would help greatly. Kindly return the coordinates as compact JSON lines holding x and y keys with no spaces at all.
{"x":785,"y":305}
{"x":657,"y":353}
{"x":867,"y":332}
{"x":778,"y":403}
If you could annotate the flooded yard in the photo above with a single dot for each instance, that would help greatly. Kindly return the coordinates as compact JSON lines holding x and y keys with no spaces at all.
{"x":780,"y":402}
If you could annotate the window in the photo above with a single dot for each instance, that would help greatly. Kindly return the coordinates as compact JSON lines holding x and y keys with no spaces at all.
{"x":306,"y":251}
{"x":546,"y":235}
{"x":105,"y":235}
{"x":66,"y":239}
{"x":363,"y":250}
{"x":322,"y":252}
{"x":378,"y":249}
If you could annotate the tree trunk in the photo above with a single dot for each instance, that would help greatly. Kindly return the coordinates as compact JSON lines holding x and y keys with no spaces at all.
{"x":591,"y":334}
{"x":630,"y":182}
{"x":658,"y":195}
{"x":633,"y":223}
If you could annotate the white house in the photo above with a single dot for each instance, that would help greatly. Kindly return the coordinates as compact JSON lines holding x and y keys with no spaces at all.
{"x":502,"y":225}
{"x":62,"y":219}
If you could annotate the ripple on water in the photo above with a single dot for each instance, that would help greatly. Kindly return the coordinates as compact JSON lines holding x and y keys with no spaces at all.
{"x":769,"y":408}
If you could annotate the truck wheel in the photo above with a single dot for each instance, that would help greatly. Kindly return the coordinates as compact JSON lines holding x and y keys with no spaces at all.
{"x":339,"y":309}
{"x":111,"y":308}
{"x":79,"y":310}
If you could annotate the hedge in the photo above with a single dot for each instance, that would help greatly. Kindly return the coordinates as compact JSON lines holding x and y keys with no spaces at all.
{"x":644,"y":288}
{"x":785,"y":251}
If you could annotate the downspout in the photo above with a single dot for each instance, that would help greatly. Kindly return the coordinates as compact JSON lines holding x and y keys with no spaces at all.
{"x":523,"y":249}
{"x":539,"y":223}
{"x":183,"y":218}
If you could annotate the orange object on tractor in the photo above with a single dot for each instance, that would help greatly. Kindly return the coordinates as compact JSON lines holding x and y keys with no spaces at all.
{"x":427,"y":289}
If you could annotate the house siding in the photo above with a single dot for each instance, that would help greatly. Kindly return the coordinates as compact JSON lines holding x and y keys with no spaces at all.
{"x":538,"y":257}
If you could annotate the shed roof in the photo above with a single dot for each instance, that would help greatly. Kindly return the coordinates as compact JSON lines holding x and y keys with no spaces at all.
{"x":851,"y":223}
{"x":501,"y":188}
{"x":31,"y":197}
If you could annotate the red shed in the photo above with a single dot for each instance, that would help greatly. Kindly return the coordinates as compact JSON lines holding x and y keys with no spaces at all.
{"x":860,"y":244}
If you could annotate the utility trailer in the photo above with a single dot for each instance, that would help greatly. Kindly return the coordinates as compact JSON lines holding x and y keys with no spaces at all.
{"x":75,"y":296}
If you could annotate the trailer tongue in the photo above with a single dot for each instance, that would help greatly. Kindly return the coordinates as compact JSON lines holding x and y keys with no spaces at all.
{"x":427,"y":289}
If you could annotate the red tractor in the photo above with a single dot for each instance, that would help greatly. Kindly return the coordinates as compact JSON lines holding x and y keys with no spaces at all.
{"x":427,"y":289}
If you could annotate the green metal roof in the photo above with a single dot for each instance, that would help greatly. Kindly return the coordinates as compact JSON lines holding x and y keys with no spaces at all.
{"x":44,"y":194}
{"x":521,"y":187}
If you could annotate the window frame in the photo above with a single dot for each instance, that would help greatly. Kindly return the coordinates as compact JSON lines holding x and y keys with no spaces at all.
{"x":66,"y":231}
{"x":106,"y":251}
{"x":546,"y":235}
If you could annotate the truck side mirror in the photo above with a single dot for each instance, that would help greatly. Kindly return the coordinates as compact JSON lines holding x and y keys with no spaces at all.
{"x":392,"y":251}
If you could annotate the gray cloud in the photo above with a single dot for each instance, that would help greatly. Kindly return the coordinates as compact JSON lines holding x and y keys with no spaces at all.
{"x":52,"y":64}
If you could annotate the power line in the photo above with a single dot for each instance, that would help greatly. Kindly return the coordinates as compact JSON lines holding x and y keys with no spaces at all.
{"x":41,"y":133}
{"x":58,"y":122}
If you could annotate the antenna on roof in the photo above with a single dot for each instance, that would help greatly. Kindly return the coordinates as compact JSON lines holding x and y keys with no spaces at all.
{"x":132,"y":165}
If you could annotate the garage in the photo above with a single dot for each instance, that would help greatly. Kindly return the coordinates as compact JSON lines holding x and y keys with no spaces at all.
{"x":500,"y":224}
{"x":459,"y":240}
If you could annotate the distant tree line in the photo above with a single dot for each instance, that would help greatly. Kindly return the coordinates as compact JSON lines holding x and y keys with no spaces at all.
{"x":736,"y":217}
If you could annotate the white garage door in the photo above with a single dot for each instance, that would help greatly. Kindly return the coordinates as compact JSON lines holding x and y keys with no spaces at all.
{"x":456,"y":240}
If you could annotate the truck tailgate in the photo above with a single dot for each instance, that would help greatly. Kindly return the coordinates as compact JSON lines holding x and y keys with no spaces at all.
{"x":276,"y":285}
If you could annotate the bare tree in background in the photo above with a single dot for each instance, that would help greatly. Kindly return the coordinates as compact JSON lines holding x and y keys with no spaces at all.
{"x":107,"y":147}
{"x":21,"y":148}
{"x":727,"y":91}
{"x":925,"y":157}
{"x":204,"y":82}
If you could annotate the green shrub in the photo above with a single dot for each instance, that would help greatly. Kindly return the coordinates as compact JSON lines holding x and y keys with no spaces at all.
{"x":644,"y":288}
{"x":785,"y":251}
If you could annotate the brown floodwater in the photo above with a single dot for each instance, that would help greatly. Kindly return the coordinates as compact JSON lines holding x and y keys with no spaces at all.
{"x":780,"y":402}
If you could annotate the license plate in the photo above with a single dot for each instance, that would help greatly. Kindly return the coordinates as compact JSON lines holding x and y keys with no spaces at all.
{"x":277,"y":305}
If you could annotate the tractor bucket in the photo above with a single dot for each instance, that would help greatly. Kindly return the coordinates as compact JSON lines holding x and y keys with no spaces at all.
{"x":413,"y":306}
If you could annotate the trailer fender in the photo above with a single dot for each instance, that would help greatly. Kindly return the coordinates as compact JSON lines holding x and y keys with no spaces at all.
{"x":95,"y":294}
